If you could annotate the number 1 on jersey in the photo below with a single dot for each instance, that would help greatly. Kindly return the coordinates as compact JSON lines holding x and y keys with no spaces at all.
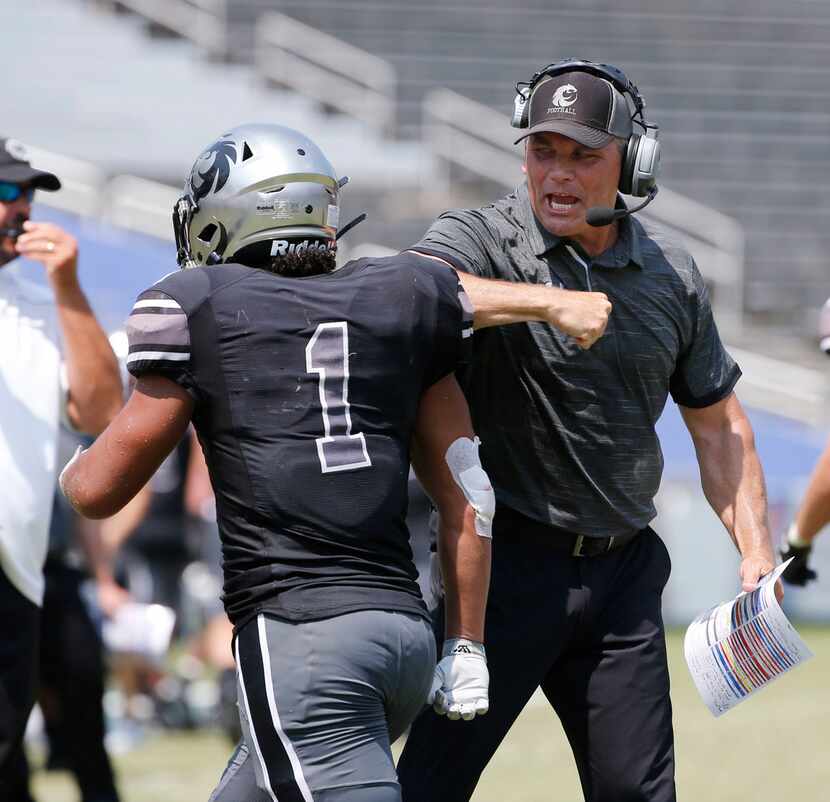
{"x":327,"y":355}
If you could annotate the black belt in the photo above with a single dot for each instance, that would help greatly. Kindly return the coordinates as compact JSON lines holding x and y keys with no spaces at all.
{"x":583,"y":546}
{"x":510,"y":524}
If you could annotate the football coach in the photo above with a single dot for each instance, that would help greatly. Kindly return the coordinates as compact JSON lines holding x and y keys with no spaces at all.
{"x":570,"y":445}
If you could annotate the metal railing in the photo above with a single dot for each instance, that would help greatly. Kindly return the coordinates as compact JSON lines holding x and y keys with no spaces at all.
{"x":203,"y":22}
{"x":82,"y":183}
{"x":126,"y":201}
{"x":476,"y":137}
{"x":141,"y":205}
{"x":780,"y":387}
{"x":326,"y":69}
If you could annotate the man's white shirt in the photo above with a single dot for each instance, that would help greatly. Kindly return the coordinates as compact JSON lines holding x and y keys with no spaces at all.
{"x":33,"y":399}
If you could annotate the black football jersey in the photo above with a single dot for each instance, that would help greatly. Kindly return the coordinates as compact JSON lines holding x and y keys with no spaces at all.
{"x":306,"y":392}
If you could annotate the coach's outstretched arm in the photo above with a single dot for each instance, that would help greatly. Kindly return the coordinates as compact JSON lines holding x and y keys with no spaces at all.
{"x":445,"y":458}
{"x":100,"y":481}
{"x":582,"y":315}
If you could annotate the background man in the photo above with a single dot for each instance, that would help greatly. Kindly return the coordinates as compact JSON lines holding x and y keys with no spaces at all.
{"x":55,"y":361}
{"x":813,"y":513}
{"x":569,"y":442}
{"x":306,"y":396}
{"x":812,"y":516}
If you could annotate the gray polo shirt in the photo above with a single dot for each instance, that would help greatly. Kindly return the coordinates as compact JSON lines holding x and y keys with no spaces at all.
{"x":569,"y":435}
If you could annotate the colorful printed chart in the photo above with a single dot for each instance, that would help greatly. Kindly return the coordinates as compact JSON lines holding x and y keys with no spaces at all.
{"x":738,"y":647}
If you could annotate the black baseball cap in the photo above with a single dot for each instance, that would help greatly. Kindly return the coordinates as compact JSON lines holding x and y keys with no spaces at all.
{"x":580,"y":106}
{"x":15,"y":167}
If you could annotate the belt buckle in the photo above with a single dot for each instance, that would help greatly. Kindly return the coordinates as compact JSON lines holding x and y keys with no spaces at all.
{"x":580,"y":540}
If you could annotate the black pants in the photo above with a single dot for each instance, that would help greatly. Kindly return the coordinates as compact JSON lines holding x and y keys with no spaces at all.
{"x":589,"y":632}
{"x":19,"y":638}
{"x":72,"y":683}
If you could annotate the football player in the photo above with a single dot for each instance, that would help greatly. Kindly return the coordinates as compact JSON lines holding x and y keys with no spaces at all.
{"x":311,"y":389}
{"x":813,"y":513}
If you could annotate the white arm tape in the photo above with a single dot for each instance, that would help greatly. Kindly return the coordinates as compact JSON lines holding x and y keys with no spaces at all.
{"x":465,"y":467}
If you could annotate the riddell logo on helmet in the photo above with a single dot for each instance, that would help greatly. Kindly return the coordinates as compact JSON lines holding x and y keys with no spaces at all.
{"x":564,"y":97}
{"x":282,"y":247}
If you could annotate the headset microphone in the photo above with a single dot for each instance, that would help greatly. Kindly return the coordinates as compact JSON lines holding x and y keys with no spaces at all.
{"x":603,"y":216}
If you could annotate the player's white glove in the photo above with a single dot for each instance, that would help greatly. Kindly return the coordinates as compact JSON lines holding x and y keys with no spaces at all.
{"x":461,"y":681}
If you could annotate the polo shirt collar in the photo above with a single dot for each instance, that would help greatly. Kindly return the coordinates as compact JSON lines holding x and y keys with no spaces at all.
{"x":625,"y":251}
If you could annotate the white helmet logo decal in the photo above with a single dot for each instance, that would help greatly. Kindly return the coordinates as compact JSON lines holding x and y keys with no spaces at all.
{"x":564,"y":96}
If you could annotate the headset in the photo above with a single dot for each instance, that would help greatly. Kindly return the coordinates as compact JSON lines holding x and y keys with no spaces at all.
{"x":641,"y":163}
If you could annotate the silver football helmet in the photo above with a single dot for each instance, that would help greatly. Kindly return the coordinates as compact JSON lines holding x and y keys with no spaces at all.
{"x":256,"y":183}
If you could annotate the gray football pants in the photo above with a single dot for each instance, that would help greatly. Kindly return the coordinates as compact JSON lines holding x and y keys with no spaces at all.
{"x":321,"y":703}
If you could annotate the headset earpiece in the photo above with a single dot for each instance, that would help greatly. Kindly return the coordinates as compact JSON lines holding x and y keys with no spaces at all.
{"x":628,"y":164}
{"x":641,"y":166}
{"x":520,"y":107}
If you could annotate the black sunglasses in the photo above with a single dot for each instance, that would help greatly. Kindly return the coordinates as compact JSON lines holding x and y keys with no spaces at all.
{"x":10,"y":192}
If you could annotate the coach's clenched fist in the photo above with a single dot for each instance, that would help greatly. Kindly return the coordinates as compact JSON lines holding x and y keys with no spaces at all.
{"x":583,"y":315}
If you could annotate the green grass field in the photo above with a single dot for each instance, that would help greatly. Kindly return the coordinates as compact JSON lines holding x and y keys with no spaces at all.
{"x":774,"y":746}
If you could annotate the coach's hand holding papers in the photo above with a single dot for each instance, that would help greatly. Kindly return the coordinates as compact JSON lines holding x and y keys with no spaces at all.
{"x":738,"y":647}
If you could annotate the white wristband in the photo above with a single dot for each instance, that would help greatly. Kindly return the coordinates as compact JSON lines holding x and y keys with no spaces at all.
{"x":794,"y":539}
{"x":463,"y":646}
